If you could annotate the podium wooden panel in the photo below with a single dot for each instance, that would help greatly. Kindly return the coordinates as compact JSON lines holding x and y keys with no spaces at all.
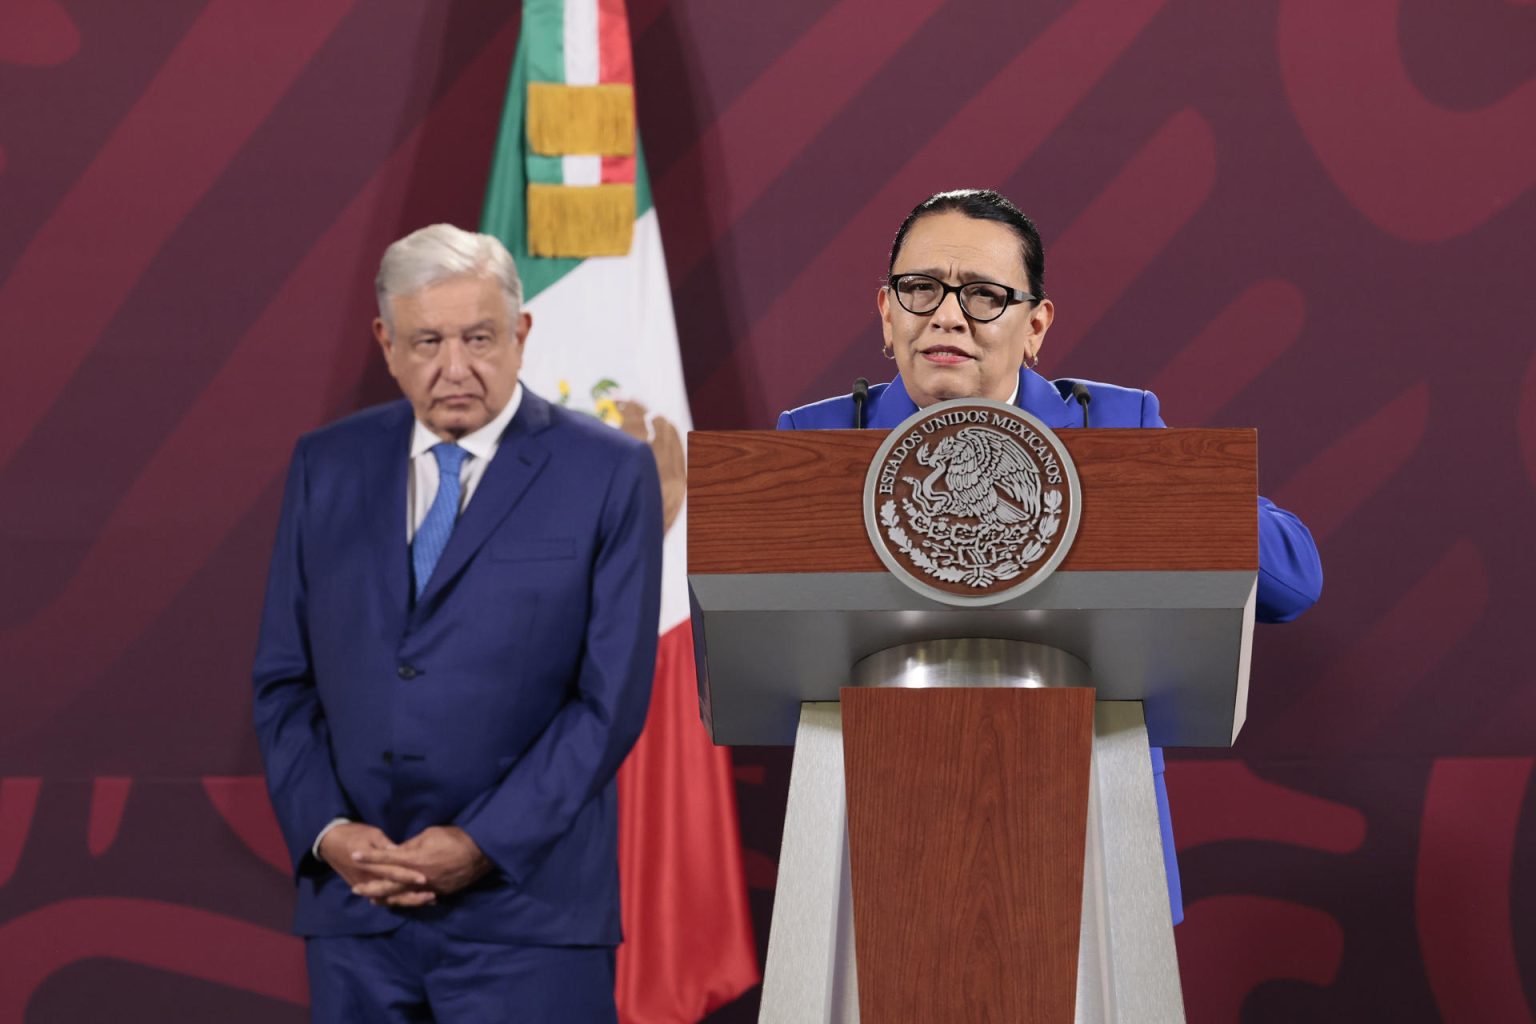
{"x":965,"y":827}
{"x":767,"y":501}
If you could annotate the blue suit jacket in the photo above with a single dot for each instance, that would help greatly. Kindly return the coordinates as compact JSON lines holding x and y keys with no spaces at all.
{"x":1290,"y":574}
{"x":502,"y":701}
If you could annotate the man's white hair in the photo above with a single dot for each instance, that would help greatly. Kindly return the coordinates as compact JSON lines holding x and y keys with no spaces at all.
{"x":439,"y":252}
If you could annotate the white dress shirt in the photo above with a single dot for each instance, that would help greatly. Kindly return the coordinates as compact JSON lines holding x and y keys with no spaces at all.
{"x":421,"y":485}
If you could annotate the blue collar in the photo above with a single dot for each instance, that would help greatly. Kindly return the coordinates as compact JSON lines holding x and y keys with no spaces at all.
{"x":1037,"y":396}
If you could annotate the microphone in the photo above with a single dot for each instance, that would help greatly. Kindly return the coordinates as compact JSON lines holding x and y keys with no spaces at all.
{"x":860,"y":396}
{"x":1080,"y":392}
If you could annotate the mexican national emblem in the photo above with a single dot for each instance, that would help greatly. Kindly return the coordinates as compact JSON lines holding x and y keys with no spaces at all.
{"x":971,"y":501}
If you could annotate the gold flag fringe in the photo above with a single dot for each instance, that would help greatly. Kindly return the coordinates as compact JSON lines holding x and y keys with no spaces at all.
{"x":571,"y":120}
{"x":580,"y":220}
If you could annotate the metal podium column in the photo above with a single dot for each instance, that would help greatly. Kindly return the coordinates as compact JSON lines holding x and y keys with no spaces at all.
{"x":810,"y":976}
{"x":1127,"y":965}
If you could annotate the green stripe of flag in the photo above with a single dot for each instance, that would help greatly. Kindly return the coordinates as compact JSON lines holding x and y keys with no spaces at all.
{"x":505,"y":213}
{"x":544,"y":29}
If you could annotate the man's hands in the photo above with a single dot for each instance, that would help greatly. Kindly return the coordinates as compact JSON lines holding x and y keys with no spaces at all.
{"x":437,"y":861}
{"x":345,"y":844}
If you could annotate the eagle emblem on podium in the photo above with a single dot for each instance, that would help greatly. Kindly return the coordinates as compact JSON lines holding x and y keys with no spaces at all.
{"x":971,"y":501}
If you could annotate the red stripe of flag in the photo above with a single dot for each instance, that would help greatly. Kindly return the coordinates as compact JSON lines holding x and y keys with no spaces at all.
{"x":688,"y":942}
{"x":616,"y":66}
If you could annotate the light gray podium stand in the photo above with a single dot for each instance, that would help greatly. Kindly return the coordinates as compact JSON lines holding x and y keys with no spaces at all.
{"x":1152,"y":608}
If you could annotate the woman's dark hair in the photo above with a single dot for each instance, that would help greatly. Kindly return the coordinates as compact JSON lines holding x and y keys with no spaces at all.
{"x":983,"y":204}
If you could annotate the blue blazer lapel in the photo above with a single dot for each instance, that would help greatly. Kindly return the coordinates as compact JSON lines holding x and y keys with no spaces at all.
{"x":385,"y":466}
{"x":893,"y":406}
{"x":518,"y":461}
{"x":1039,"y":397}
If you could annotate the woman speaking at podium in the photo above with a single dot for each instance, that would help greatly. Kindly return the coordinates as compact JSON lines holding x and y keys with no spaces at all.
{"x":964,"y":315}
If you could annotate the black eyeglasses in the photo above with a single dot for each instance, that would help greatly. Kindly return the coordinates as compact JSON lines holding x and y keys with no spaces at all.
{"x":982,"y":301}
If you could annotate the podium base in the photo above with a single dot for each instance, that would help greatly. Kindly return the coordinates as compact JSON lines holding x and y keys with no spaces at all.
{"x":1127,"y":969}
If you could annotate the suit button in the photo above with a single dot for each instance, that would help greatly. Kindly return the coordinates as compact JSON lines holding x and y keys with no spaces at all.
{"x":389,"y":757}
{"x":406,"y":672}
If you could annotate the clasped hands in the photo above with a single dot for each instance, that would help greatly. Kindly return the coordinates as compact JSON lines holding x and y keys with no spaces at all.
{"x":435,"y":862}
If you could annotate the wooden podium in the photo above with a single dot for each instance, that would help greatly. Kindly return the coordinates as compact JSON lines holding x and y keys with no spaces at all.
{"x":971,"y":794}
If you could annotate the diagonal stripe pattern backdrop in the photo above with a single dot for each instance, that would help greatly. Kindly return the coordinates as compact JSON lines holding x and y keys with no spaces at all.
{"x":1306,"y":217}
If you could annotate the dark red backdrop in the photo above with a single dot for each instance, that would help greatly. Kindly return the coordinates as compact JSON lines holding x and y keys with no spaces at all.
{"x":1306,"y":216}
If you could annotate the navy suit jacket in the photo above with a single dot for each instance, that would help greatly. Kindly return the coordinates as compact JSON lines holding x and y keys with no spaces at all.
{"x":502,"y":701}
{"x":1290,"y":573}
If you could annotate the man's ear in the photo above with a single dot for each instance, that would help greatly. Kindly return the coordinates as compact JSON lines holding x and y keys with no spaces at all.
{"x":381,"y":335}
{"x":523,"y":326}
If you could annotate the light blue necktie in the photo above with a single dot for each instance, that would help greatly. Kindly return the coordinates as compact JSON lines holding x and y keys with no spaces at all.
{"x":432,"y":535}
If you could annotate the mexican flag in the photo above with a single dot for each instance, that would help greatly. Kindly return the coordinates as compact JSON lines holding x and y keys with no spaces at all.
{"x":569,"y":197}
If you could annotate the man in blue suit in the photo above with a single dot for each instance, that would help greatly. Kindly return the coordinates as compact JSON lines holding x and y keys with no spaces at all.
{"x":964,"y":315}
{"x":455,"y":656}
